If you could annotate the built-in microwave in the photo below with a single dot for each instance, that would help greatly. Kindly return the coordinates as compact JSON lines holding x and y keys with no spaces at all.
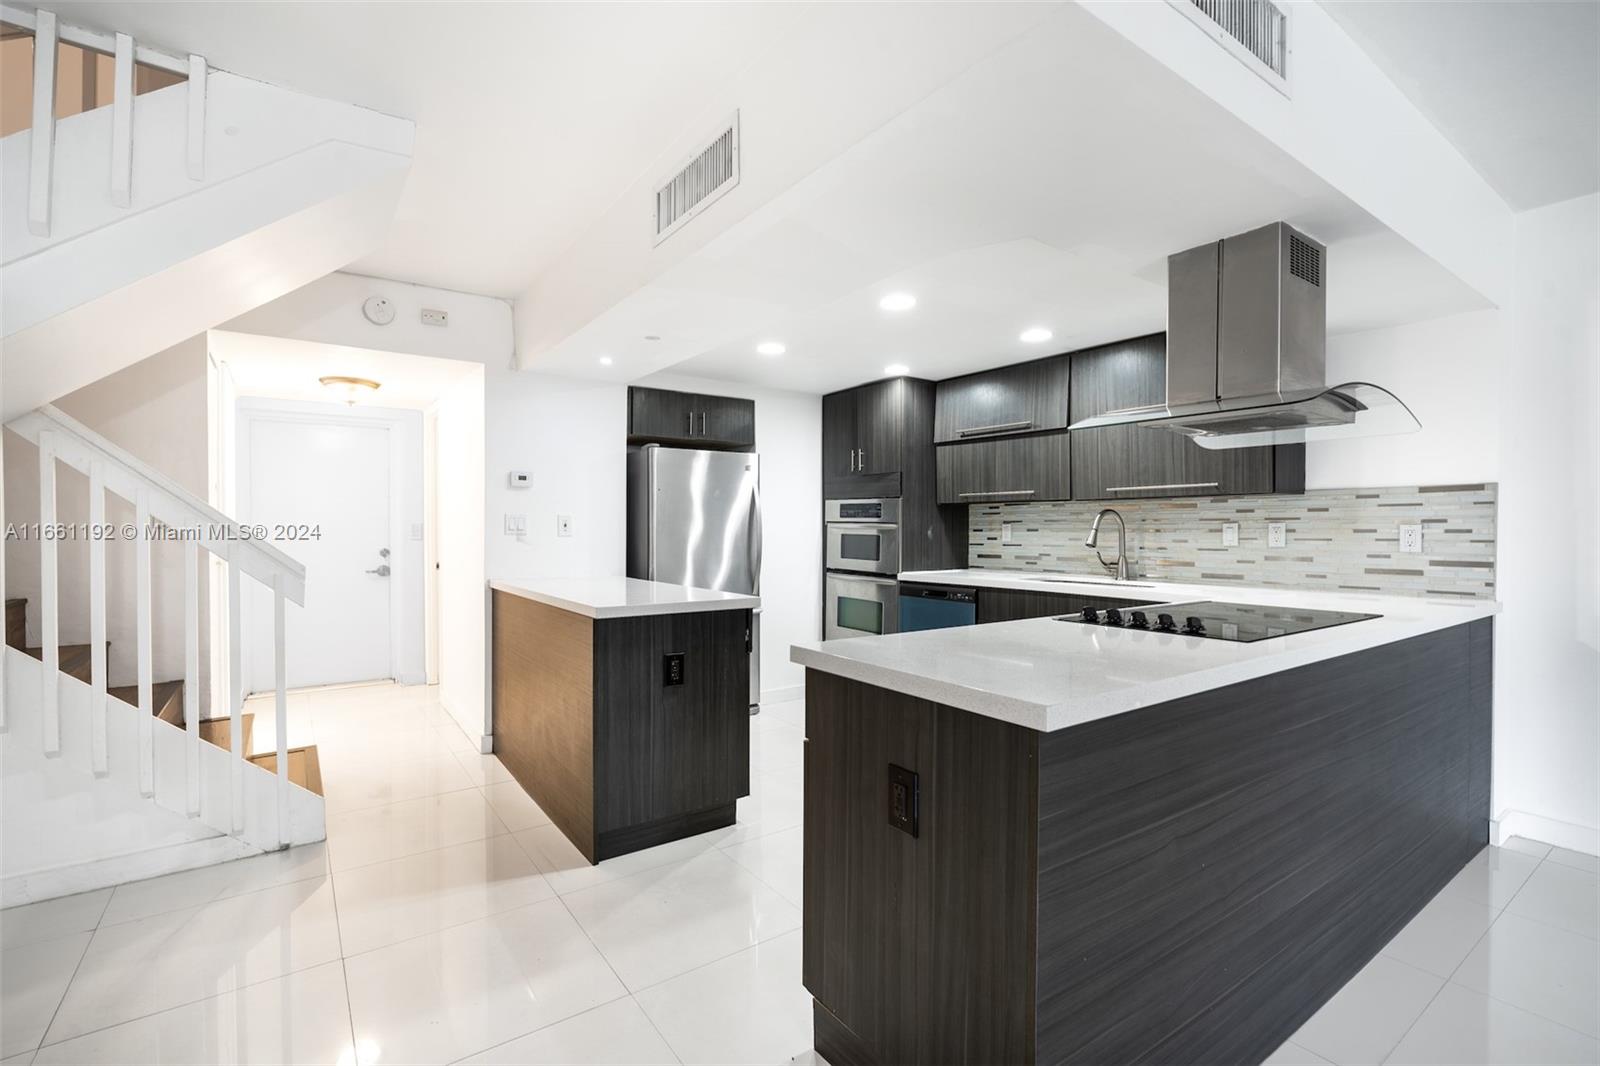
{"x":863,"y":536}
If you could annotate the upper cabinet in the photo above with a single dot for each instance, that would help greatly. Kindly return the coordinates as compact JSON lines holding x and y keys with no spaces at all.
{"x":865,"y":437}
{"x":1129,"y":462}
{"x":1025,"y":398}
{"x":690,"y":419}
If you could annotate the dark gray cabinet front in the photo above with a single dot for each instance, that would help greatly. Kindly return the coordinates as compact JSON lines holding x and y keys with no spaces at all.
{"x":1006,"y":470}
{"x":697,"y":420}
{"x":1025,"y":398}
{"x":863,"y":445}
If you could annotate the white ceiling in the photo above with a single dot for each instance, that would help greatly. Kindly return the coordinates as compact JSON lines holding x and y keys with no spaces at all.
{"x":282,"y":369}
{"x":1514,"y":84}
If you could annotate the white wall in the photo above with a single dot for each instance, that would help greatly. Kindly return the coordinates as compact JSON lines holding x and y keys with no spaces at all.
{"x":459,"y":528}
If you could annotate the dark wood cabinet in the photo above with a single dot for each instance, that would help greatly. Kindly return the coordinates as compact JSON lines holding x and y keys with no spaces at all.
{"x":1130,"y":462}
{"x":1008,"y":605}
{"x":693,"y":419}
{"x":1007,"y":470}
{"x":1024,"y":398}
{"x":699,"y":730}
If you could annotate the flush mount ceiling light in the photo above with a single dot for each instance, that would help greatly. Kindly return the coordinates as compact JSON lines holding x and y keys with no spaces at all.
{"x":1035,"y":335}
{"x":770,"y":348}
{"x":898,"y":301}
{"x":897,"y":370}
{"x":605,"y":360}
{"x":349,"y":389}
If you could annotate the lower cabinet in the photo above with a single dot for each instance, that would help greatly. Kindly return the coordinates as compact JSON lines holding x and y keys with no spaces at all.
{"x":1005,"y":469}
{"x":1008,"y":605}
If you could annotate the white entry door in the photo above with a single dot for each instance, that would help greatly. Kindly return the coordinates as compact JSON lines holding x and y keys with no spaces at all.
{"x":329,"y":479}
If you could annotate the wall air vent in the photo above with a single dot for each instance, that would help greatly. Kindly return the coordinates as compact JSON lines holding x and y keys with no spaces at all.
{"x":1305,"y":260}
{"x":1256,"y":32}
{"x":711,"y":172}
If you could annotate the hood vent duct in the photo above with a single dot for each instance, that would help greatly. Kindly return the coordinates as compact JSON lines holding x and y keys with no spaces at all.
{"x":1247,"y":351}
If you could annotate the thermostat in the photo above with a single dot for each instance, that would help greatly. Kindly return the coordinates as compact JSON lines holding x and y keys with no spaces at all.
{"x":519,"y":479}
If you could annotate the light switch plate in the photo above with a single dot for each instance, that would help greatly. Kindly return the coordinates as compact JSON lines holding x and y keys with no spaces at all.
{"x":563,"y":525}
{"x":1230,"y":534}
{"x":1277,"y":534}
{"x":516,"y":523}
{"x":1411,"y":537}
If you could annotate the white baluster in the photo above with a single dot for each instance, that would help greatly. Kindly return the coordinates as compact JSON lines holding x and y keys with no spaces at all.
{"x":191,"y":667}
{"x":42,"y":139}
{"x":122,"y":123}
{"x":142,"y":636}
{"x":97,"y":619}
{"x":281,"y":674}
{"x":49,"y":636}
{"x":235,"y":689}
{"x":197,"y":118}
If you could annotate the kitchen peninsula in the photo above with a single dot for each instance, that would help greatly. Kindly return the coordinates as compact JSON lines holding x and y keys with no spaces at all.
{"x":1055,"y":841}
{"x":622,"y":706}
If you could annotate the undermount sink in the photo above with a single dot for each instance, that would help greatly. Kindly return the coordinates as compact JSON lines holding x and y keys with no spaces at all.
{"x":1096,"y":581}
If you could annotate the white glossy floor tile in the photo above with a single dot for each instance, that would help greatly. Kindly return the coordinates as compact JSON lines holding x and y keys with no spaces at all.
{"x":514,"y":806}
{"x":1438,"y":939}
{"x":1540,"y":968}
{"x":749,"y":1007}
{"x":1493,"y":876}
{"x":616,"y":1034}
{"x":1524,"y":846}
{"x":466,"y":989}
{"x":356,"y":784}
{"x":299,"y":1018}
{"x":194,"y":888}
{"x":33,"y":981}
{"x":23,"y":1059}
{"x":482,"y":769}
{"x":392,"y":901}
{"x":662,"y":922}
{"x":52,"y":918}
{"x":1579,"y":860}
{"x":140,"y":967}
{"x":777,"y":749}
{"x":568,"y":871}
{"x":358,"y":838}
{"x":1366,"y":1018}
{"x":1292,"y":1054}
{"x":1563,"y":896}
{"x":776,"y":858}
{"x":791,"y":713}
{"x":776,"y":802}
{"x":1462,"y":1027}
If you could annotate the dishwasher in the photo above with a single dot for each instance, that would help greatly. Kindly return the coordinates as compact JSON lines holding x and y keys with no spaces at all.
{"x":936,"y":607}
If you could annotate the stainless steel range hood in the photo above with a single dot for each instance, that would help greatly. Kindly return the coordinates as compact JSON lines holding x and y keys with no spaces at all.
{"x":1247,"y":351}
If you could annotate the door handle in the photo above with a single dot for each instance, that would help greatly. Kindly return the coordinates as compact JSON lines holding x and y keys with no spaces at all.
{"x":382,"y":570}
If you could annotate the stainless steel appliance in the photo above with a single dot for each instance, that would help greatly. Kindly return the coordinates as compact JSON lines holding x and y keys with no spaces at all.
{"x":1247,"y":351}
{"x":1243,"y":623}
{"x":936,"y":607}
{"x":860,"y":605}
{"x":694,"y":518}
{"x":863,"y":536}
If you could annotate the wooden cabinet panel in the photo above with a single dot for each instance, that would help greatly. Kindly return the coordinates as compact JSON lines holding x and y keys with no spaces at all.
{"x":1025,"y":398}
{"x":694,"y":420}
{"x":838,"y":434}
{"x":660,"y":414}
{"x":699,"y":730}
{"x":879,"y":426}
{"x":726,"y":420}
{"x":1008,"y":605}
{"x":863,"y":439}
{"x":1007,"y":470}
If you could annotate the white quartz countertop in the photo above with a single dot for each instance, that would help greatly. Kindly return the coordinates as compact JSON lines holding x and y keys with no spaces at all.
{"x":621,"y":597}
{"x":1050,"y":675}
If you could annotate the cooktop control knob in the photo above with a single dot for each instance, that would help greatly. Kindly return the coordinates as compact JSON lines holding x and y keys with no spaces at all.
{"x":1113,"y":616}
{"x":1091,"y":615}
{"x":1165,"y":623}
{"x":1194,"y":626}
{"x":1139,"y":621}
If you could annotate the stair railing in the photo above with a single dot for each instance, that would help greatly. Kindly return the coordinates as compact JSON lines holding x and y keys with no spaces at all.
{"x":162,"y":509}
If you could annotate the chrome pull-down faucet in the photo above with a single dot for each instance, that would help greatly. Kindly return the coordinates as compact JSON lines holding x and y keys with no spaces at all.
{"x":1120,"y":568}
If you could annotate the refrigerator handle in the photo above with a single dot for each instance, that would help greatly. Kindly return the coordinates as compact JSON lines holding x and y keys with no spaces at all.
{"x":755,"y":538}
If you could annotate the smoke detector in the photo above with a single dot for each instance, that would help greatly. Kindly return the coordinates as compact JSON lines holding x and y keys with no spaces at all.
{"x":379,"y":310}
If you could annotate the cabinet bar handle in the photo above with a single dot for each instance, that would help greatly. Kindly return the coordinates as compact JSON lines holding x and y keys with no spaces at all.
{"x":1002,"y":492}
{"x":861,"y":458}
{"x":1147,"y":488}
{"x":691,"y":423}
{"x":1003,"y":427}
{"x":852,"y":460}
{"x":702,"y":423}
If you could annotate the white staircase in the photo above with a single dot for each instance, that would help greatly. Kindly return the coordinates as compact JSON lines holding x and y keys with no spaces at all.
{"x":128,"y":228}
{"x":97,"y":791}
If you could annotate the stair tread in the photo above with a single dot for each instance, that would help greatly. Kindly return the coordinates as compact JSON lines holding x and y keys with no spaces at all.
{"x":72,"y":659}
{"x":166,"y":699}
{"x":304,"y":770}
{"x":216,"y":731}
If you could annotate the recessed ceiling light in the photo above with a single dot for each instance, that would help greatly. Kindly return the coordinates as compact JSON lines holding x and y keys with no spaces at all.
{"x":1035,"y":335}
{"x":898,"y":301}
{"x":605,"y":360}
{"x":651,"y":337}
{"x":897,"y":370}
{"x":770,"y":348}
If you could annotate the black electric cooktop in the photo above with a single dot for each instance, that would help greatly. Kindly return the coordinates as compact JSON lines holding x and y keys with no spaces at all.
{"x":1241,"y":622}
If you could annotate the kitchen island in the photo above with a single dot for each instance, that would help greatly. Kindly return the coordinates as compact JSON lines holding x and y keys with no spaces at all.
{"x":1048,"y":841}
{"x":622,"y":706}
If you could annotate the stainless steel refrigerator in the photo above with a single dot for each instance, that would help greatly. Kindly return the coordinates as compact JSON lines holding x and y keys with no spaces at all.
{"x":694,"y":518}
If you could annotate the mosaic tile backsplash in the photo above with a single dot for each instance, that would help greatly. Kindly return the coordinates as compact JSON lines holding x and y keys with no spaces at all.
{"x":1345,"y":539}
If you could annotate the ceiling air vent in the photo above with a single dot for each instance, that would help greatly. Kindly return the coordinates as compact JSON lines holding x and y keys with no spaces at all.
{"x":706,"y":176}
{"x":1256,"y":32}
{"x":1305,"y":260}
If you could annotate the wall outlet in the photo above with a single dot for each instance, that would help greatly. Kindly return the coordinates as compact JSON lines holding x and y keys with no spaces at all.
{"x":516,"y":523}
{"x":1006,"y":529}
{"x":1230,"y":534}
{"x":672,"y":668}
{"x":563,"y":525}
{"x":1411,"y":537}
{"x":434,"y":317}
{"x":1277,"y":534}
